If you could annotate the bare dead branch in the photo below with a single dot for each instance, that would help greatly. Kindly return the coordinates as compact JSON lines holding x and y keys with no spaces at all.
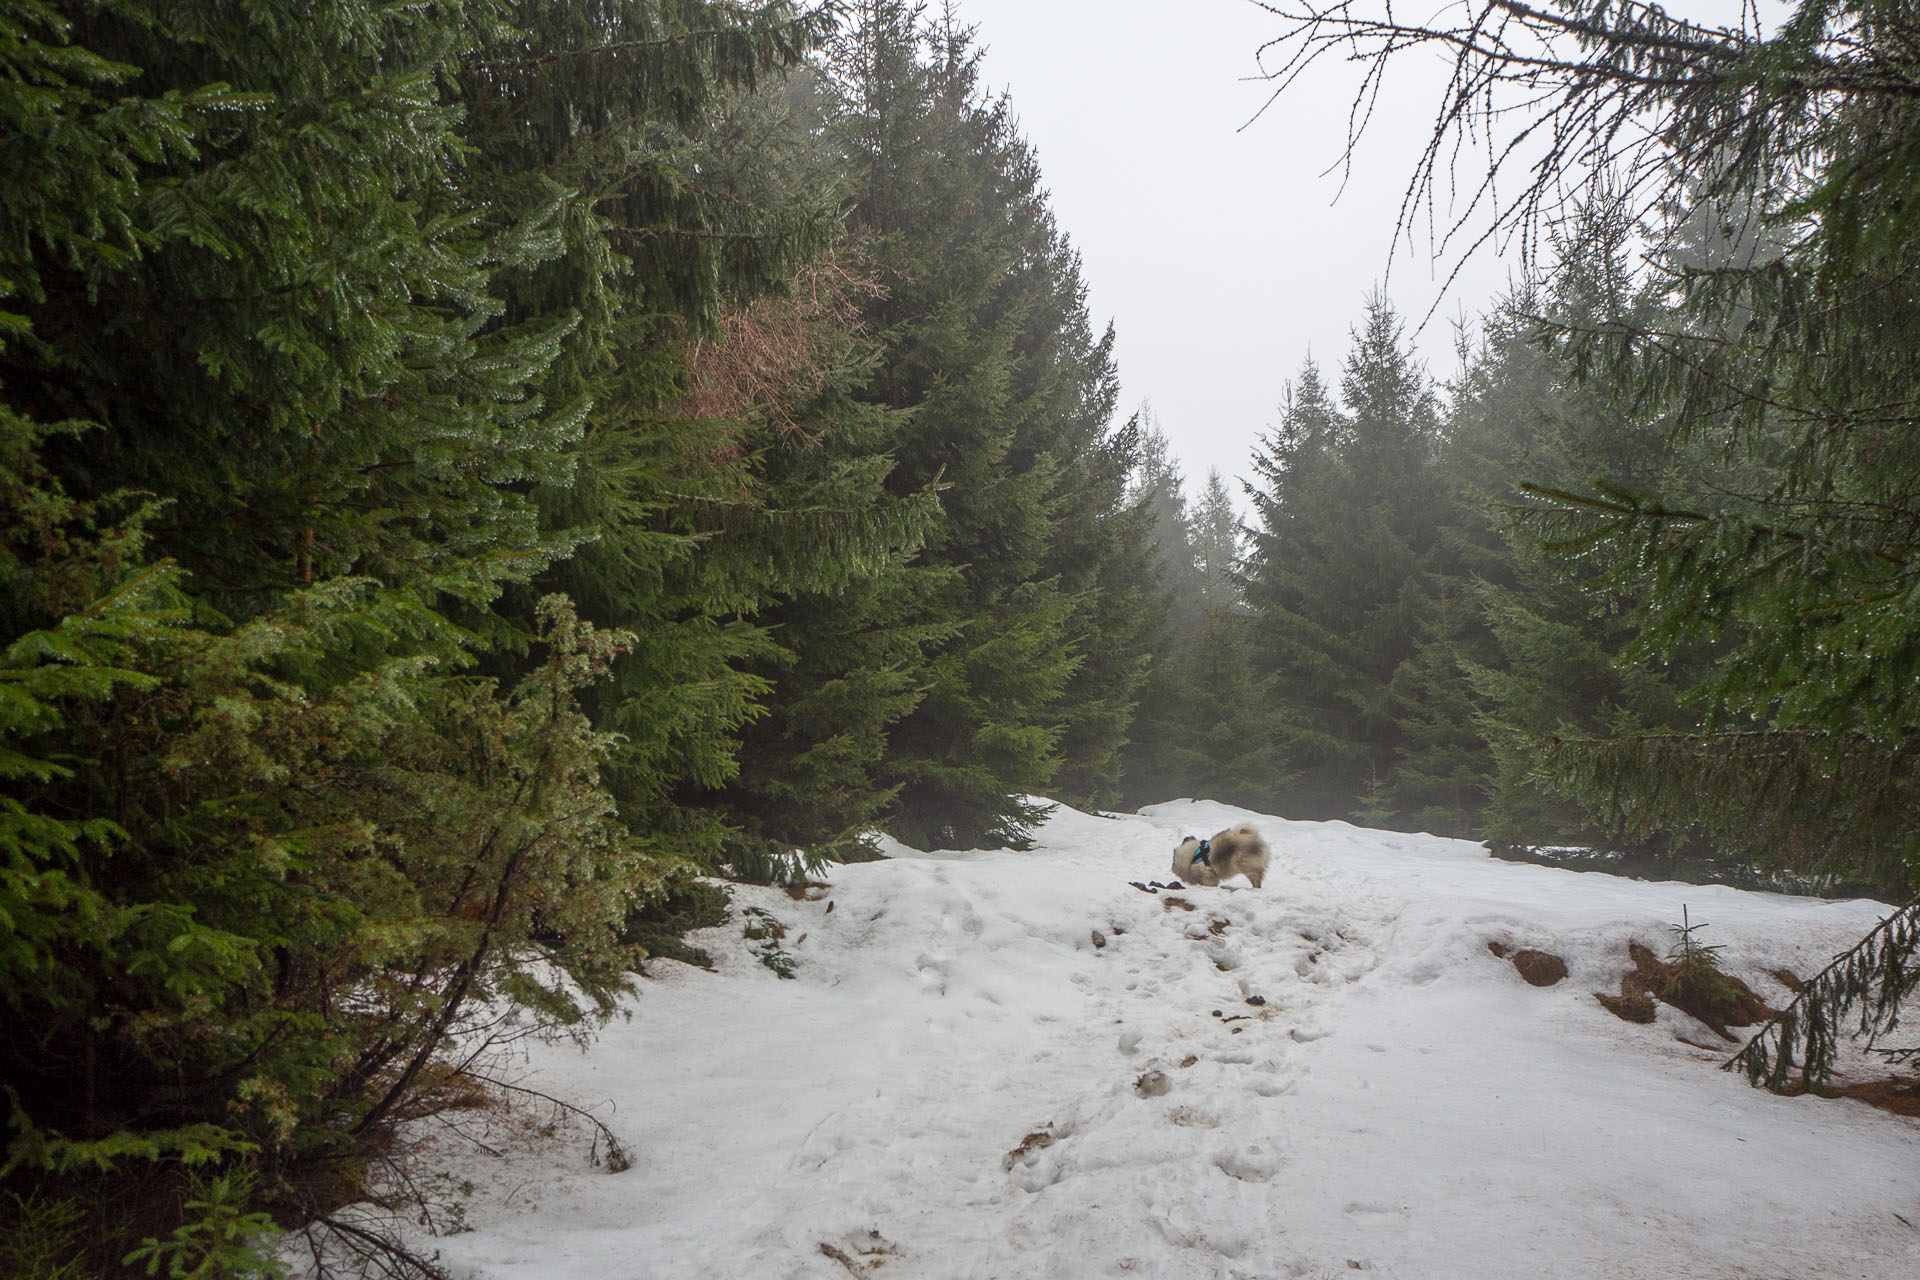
{"x":368,"y":1253}
{"x":617,"y":1159}
{"x":1555,"y":101}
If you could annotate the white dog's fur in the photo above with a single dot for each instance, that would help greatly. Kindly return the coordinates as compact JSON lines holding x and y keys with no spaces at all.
{"x":1237,"y":851}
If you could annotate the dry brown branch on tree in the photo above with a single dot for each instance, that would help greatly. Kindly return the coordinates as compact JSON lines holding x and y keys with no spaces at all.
{"x":777,"y":351}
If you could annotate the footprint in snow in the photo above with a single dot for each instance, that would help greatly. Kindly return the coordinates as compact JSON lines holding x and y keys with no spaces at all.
{"x":932,"y":972}
{"x":1193,"y":1118}
{"x":1252,"y":1163}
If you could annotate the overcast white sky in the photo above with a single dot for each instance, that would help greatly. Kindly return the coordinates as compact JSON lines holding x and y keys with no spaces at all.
{"x":1218,"y":252}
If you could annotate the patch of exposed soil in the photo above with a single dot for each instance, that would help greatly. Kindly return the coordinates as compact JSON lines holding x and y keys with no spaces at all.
{"x":1786,"y":979}
{"x":875,"y":1250}
{"x":1717,"y":999}
{"x":1038,"y":1140}
{"x":1540,"y":968}
{"x":1901,"y":1097}
{"x":1628,"y":1007}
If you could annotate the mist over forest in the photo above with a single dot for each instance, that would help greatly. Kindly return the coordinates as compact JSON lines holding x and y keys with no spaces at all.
{"x":476,"y":479}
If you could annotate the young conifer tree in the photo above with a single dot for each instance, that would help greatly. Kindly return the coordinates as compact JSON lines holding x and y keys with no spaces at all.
{"x":1339,"y":572}
{"x":1234,"y":729}
{"x":1165,"y":758}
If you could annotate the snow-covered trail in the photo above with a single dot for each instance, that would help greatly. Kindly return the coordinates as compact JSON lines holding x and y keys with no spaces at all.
{"x":1402,"y":1103}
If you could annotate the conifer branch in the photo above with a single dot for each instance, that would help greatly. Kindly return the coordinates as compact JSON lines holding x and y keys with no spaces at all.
{"x":1875,"y":976}
{"x":770,"y":45}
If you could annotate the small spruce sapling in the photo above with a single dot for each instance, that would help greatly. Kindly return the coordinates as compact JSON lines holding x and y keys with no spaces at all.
{"x":218,"y":1235}
{"x":763,"y":928}
{"x":1695,"y":982}
{"x":40,"y":1236}
{"x":1689,"y":955}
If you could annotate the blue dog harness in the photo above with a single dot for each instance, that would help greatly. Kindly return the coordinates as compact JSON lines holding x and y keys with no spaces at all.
{"x":1200,"y":854}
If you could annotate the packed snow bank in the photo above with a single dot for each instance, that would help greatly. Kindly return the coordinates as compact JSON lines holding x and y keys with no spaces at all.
{"x":958,"y":1081}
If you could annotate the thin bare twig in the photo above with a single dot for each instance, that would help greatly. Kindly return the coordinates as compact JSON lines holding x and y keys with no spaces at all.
{"x":617,"y":1159}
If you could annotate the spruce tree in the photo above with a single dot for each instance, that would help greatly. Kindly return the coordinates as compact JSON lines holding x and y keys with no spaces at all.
{"x":846,"y":634}
{"x":1004,"y":395}
{"x":1164,"y":758}
{"x":1201,"y":729}
{"x":1234,"y":730}
{"x":1295,"y":499}
{"x":1442,"y":768}
{"x":1547,"y":657}
{"x":671,"y":223}
{"x":1217,"y":548}
{"x":1338,"y":573}
{"x":1100,"y":547}
{"x":1159,"y":484}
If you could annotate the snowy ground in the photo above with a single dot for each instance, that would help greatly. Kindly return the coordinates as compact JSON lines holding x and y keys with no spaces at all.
{"x":1402,"y":1103}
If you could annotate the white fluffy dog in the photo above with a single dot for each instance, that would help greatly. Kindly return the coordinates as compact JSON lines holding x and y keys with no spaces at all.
{"x":1237,"y":851}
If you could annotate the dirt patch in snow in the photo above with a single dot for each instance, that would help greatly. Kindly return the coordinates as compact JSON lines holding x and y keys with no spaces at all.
{"x":1628,"y":1006}
{"x":1720,"y":1000}
{"x":1902,"y":1097}
{"x":1038,"y":1140}
{"x":1717,"y":999}
{"x":1539,"y":968}
{"x":863,"y":1257}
